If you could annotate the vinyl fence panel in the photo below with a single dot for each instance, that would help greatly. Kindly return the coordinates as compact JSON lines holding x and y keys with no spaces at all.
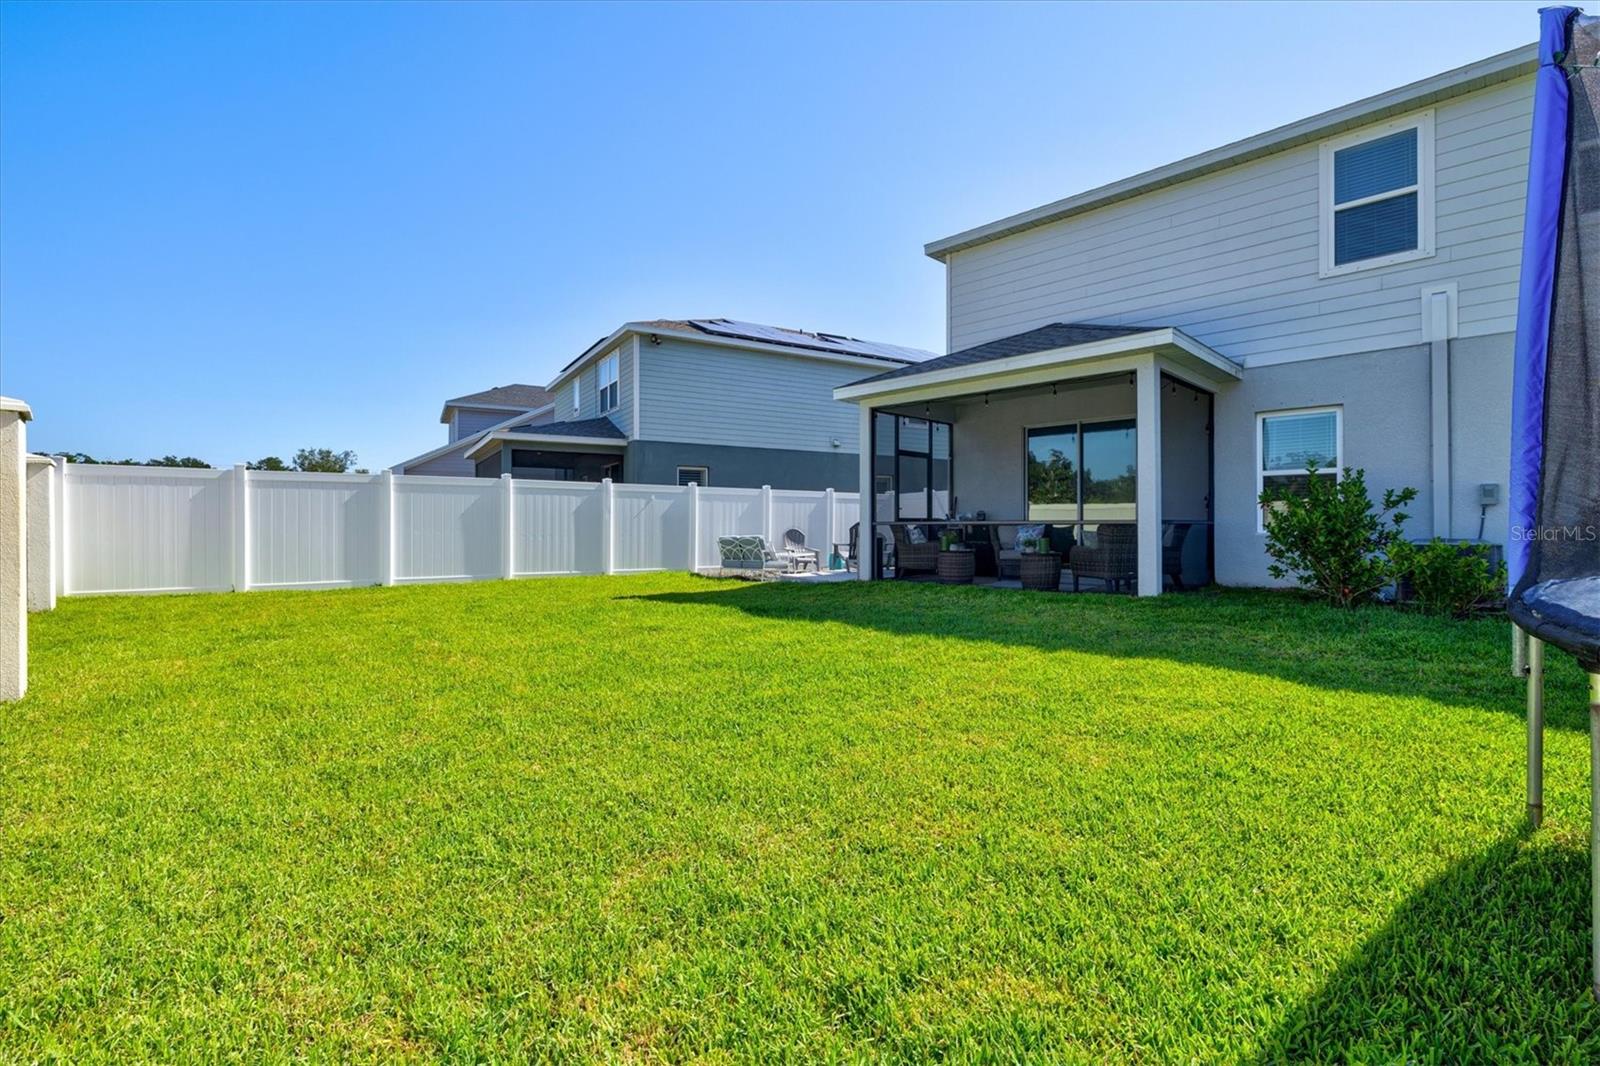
{"x":727,"y":513}
{"x":556,"y":528}
{"x":315,"y":530}
{"x":447,"y":528}
{"x":650,"y":524}
{"x":147,"y":529}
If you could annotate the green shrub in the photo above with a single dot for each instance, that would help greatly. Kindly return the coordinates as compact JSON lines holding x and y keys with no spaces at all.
{"x":1450,"y":579}
{"x":1330,"y":539}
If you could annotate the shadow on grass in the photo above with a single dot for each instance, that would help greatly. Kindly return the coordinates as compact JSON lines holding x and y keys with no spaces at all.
{"x":1374,"y":650}
{"x":1487,"y":963}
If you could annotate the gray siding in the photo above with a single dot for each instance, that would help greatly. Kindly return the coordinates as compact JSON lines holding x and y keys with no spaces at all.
{"x":657,"y":462}
{"x":470,"y":420}
{"x":588,"y":395}
{"x":705,"y":394}
{"x":452,"y":463}
{"x":1232,"y":257}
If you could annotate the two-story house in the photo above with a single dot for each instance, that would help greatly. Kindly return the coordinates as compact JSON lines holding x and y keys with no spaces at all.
{"x":712,"y":401}
{"x":1338,"y":292}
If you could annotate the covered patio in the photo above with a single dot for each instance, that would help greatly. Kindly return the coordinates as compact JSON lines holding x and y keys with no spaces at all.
{"x":1083,"y":447}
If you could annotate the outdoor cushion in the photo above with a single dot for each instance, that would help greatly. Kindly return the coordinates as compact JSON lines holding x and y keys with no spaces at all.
{"x":915,"y":535}
{"x":1028,"y":533}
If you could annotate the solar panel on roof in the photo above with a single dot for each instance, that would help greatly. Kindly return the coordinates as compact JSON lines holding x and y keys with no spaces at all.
{"x":752,"y":331}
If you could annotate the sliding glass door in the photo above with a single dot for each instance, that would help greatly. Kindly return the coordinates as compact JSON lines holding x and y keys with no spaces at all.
{"x":1083,"y":472}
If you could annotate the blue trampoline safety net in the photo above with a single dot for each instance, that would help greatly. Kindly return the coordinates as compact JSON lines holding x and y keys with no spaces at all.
{"x":1554,"y":548}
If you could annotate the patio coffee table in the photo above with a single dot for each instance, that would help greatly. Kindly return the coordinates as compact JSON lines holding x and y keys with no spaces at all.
{"x":957,"y":565}
{"x":1040,"y":571}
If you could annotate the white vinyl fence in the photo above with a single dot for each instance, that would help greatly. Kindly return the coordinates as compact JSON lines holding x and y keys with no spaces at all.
{"x":160,"y":529}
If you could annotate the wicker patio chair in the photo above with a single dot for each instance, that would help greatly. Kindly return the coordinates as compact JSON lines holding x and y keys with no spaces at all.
{"x":1114,"y":557}
{"x":921,"y":557}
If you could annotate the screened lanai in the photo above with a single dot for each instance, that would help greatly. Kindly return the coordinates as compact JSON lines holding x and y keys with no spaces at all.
{"x":1086,"y":448}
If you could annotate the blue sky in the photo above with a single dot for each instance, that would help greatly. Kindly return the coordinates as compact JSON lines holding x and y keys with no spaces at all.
{"x":231,"y":230}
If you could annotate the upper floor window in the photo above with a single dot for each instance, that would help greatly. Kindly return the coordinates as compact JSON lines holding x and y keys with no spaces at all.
{"x":606,"y":391}
{"x":577,"y":400}
{"x":1377,"y":196}
{"x":1292,"y":447}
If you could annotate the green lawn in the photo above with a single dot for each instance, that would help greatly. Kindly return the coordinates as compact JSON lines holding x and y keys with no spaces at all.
{"x":668,"y":817}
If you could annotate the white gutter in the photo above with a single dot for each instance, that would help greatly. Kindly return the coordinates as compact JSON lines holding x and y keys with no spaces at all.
{"x":1166,"y":341}
{"x":1419,"y":94}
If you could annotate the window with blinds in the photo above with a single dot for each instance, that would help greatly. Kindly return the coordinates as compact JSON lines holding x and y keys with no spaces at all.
{"x":1376,"y":196}
{"x":1292,"y":447}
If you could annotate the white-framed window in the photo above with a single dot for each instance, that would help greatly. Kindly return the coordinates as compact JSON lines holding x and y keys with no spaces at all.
{"x":577,"y":396}
{"x":1376,"y":198}
{"x":1290,"y":443}
{"x":699,"y":475}
{"x":606,"y":390}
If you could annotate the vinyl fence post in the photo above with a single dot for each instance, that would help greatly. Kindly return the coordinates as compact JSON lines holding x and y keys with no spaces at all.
{"x":508,"y":548}
{"x":60,"y":532}
{"x":386,"y":531}
{"x":766,"y":514}
{"x":241,"y":528}
{"x":830,"y":508}
{"x":694,"y":527}
{"x":608,"y":529}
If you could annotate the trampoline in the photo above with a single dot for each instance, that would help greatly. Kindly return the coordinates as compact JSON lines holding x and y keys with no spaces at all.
{"x":1553,"y":552}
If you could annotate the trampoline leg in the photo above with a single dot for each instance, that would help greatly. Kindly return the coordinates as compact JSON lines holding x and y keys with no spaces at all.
{"x":1535,"y":731}
{"x":1594,"y":832}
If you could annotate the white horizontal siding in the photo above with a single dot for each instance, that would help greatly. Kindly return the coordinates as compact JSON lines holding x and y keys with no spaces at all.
{"x":1232,"y":257}
{"x":704,"y":394}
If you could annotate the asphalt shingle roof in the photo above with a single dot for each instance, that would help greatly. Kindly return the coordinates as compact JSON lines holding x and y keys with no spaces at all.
{"x":1043,"y":339}
{"x":593,"y":428}
{"x":528,"y":396}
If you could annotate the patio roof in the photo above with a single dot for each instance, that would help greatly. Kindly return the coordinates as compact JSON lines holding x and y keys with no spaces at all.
{"x":581,"y":435}
{"x":1076,"y":348}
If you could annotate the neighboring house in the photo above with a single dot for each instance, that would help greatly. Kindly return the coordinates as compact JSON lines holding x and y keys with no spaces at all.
{"x":470,"y":416}
{"x":712,"y":401}
{"x":1339,"y":291}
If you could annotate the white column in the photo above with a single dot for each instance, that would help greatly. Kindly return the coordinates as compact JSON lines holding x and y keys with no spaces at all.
{"x":508,"y":528}
{"x":386,"y":516}
{"x":608,"y":527}
{"x":1147,"y":407}
{"x":14,"y":415}
{"x":41,"y":546}
{"x":63,"y":541}
{"x":866,"y":542}
{"x":694,"y":527}
{"x":830,"y":510}
{"x":241,"y":528}
{"x":766,"y":515}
